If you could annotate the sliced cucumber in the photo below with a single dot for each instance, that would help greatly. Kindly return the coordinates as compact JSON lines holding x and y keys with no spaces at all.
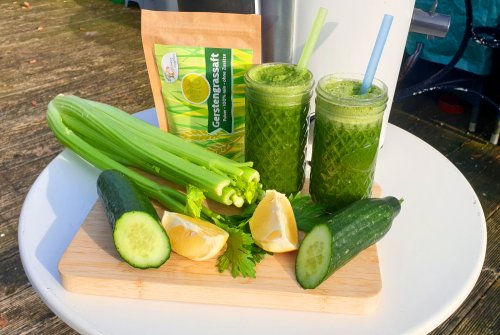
{"x":314,"y":257}
{"x":138,"y":234}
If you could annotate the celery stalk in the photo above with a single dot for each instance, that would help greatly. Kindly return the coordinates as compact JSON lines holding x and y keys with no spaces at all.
{"x":220,"y":165}
{"x":126,"y":157}
{"x":144,"y":152}
{"x":129,"y":158}
{"x":149,"y":148}
{"x":170,"y":142}
{"x":168,"y":197}
{"x":176,"y":145}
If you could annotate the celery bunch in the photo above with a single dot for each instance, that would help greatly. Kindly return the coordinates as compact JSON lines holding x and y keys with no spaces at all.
{"x":135,"y":143}
{"x":111,"y":139}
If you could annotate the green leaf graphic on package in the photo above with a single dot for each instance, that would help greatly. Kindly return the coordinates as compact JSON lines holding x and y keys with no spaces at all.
{"x":204,"y":94}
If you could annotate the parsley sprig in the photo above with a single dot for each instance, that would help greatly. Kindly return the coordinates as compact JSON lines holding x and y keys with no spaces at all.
{"x":242,"y":254}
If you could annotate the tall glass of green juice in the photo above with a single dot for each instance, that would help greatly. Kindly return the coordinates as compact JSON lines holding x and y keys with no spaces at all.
{"x":276,"y":123}
{"x":346,"y":138}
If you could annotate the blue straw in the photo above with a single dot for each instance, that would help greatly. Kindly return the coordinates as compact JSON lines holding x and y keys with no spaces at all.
{"x":376,"y":53}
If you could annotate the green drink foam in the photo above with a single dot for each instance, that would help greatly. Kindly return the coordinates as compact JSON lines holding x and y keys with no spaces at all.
{"x":283,"y":75}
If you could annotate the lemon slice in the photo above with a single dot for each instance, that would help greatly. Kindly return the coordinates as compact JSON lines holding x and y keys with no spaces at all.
{"x":273,"y":224}
{"x":193,"y":238}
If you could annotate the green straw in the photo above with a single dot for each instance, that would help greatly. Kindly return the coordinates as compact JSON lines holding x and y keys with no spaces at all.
{"x":313,"y":37}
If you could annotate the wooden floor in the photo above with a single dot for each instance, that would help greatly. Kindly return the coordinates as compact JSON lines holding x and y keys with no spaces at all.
{"x":92,"y":48}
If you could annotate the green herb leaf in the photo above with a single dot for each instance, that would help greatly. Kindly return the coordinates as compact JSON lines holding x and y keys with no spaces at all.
{"x":307,"y":213}
{"x":194,"y":201}
{"x":238,"y":258}
{"x":242,"y":254}
{"x":241,"y":220}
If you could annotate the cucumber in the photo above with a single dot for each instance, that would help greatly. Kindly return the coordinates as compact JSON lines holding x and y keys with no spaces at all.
{"x":138,"y":234}
{"x":330,"y":245}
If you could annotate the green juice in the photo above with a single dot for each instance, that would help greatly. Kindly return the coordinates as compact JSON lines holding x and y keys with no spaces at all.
{"x":276,"y":124}
{"x":346,"y":138}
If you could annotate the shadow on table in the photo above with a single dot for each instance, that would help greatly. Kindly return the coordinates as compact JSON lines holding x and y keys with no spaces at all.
{"x":71,"y":193}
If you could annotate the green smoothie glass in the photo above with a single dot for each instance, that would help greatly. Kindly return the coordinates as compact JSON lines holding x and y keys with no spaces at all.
{"x":346,"y":139}
{"x":276,"y":123}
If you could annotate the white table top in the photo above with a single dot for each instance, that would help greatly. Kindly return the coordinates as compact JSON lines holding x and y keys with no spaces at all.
{"x":430,"y":259}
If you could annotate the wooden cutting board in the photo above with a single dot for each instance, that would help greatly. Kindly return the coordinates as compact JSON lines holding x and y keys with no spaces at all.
{"x":91,"y":265}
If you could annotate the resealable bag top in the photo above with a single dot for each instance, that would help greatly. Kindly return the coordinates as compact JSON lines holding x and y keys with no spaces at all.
{"x":196,"y":64}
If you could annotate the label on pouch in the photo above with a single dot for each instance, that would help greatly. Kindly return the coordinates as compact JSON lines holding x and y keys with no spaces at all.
{"x":203,"y":90}
{"x":220,"y":100}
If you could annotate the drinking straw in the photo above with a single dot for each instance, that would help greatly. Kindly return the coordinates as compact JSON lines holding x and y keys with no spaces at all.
{"x":376,"y":53}
{"x":312,"y":38}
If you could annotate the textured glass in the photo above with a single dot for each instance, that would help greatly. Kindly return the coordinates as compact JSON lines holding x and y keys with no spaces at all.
{"x":275,"y":140}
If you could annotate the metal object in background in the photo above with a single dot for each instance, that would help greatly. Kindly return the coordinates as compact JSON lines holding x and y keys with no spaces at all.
{"x":164,"y":5}
{"x":219,"y":6}
{"x":278,"y":27}
{"x":430,"y":23}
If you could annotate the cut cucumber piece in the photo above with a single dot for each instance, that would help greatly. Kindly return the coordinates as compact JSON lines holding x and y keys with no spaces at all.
{"x":344,"y":234}
{"x":138,"y":234}
{"x":313,"y":260}
{"x":140,"y":240}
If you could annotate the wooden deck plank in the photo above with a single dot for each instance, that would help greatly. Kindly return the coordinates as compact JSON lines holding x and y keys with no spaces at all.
{"x":484,"y":283}
{"x":54,"y":14}
{"x":25,"y":313}
{"x":478,"y":321}
{"x":477,"y":315}
{"x":425,"y":107}
{"x":10,"y":280}
{"x":492,"y":261}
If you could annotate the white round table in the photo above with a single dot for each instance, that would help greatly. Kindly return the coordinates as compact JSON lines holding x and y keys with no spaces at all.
{"x":429,"y":261}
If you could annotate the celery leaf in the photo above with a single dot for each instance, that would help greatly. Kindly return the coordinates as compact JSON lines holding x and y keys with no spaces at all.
{"x":194,"y":201}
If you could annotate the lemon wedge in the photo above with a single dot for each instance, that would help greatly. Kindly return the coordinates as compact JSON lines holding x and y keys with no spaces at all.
{"x":273,"y":225}
{"x":193,"y":238}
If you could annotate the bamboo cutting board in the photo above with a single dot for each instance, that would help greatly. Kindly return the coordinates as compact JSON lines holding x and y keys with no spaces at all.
{"x":91,"y":265}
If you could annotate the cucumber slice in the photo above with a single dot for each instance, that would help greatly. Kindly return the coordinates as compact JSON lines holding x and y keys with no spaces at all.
{"x":314,"y":257}
{"x":140,"y":240}
{"x":138,"y":234}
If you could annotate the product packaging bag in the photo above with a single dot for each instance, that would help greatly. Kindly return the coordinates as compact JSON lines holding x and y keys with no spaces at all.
{"x":196,"y":63}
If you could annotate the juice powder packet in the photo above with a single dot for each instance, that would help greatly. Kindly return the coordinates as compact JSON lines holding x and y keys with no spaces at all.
{"x":196,"y":64}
